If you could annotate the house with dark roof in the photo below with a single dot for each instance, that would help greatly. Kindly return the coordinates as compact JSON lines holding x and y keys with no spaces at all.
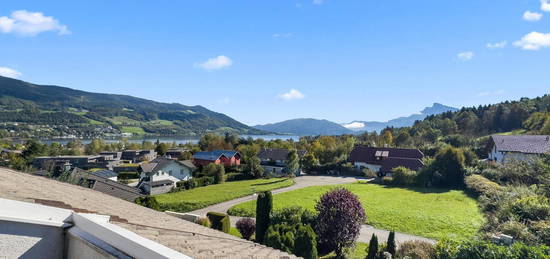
{"x":138,"y":155}
{"x":502,"y":148}
{"x":162,"y":174}
{"x":223,"y":157}
{"x":274,"y":160}
{"x":107,"y":174}
{"x":383,"y":159}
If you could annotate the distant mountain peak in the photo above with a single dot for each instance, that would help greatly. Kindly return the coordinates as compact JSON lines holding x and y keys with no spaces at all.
{"x":436,"y":108}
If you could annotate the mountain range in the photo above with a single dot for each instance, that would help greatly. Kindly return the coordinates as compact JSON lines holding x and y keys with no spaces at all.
{"x":407,"y":121}
{"x":60,"y":111}
{"x":311,"y":127}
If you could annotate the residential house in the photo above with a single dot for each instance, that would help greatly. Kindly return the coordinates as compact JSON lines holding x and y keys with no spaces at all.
{"x":107,"y":174}
{"x":274,"y":160}
{"x":503,"y":148}
{"x":162,"y":174}
{"x":60,"y":163}
{"x":383,"y":160}
{"x":224,"y":157}
{"x":44,"y":218}
{"x":136,"y":156}
{"x":175,"y":153}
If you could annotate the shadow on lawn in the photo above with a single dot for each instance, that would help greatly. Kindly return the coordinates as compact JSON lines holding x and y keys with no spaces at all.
{"x":421,"y":189}
{"x":282,"y":180}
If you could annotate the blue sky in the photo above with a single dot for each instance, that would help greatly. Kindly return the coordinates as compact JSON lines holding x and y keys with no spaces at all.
{"x":267,"y":61}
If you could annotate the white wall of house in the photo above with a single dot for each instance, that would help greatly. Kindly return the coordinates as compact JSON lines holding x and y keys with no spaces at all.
{"x":173,"y":171}
{"x":360,"y":165}
{"x":503,"y":157}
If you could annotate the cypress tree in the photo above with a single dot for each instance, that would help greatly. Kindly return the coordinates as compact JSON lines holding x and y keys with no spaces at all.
{"x":391,"y":247}
{"x":373,"y":247}
{"x":264,"y":205}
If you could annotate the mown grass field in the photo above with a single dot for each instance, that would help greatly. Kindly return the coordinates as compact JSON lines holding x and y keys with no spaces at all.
{"x":201,"y":197}
{"x":432,"y":213}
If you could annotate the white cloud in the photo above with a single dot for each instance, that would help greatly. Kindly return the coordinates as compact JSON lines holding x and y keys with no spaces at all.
{"x":218,"y":62}
{"x":465,"y":56}
{"x":545,"y":5}
{"x":534,"y":41}
{"x":354,"y":125}
{"x":318,"y":2}
{"x":531,"y":16}
{"x":497,"y":45}
{"x":27,"y":23}
{"x":8,"y":72}
{"x":282,"y":35}
{"x":491,"y":93}
{"x":293,"y":94}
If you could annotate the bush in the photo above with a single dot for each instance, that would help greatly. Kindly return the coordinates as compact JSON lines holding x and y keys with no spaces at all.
{"x":448,"y":168}
{"x":148,"y":201}
{"x":369,"y":173}
{"x":387,"y":180}
{"x":219,"y":221}
{"x":403,"y":176}
{"x":340,"y":216}
{"x":264,"y":205}
{"x":280,"y":236}
{"x":482,"y":249}
{"x":127,"y":175}
{"x":478,"y":185}
{"x":532,"y":208}
{"x":194,"y":183}
{"x":203,"y":222}
{"x":416,"y":250}
{"x":292,"y":215}
{"x":246,"y":227}
{"x":306,"y":242}
{"x":237,"y":177}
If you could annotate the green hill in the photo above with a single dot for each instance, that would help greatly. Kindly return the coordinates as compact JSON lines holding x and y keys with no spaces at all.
{"x":47,"y":110}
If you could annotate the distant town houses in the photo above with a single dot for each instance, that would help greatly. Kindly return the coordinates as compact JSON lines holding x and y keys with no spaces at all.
{"x":138,"y":155}
{"x":274,"y":160}
{"x":61,"y":163}
{"x":223,"y":157}
{"x":162,"y":174}
{"x":175,"y":153}
{"x":383,"y":160}
{"x":505,"y":148}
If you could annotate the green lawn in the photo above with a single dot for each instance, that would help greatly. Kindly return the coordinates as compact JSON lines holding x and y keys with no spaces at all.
{"x":201,"y":197}
{"x":133,"y":130}
{"x":432,"y":213}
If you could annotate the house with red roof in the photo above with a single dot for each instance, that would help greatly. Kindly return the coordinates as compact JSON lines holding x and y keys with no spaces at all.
{"x":223,"y":157}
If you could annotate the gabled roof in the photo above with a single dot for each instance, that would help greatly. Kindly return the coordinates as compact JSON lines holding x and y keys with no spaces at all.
{"x":188,"y":238}
{"x":104,"y":173}
{"x":529,"y":144}
{"x":389,"y":164}
{"x":160,"y":162}
{"x":370,"y":154}
{"x":113,"y":188}
{"x":214,"y":155}
{"x":277,"y":153}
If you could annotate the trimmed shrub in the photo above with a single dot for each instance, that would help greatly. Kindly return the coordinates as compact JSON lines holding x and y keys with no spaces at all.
{"x":219,"y":221}
{"x":390,"y":245}
{"x":219,"y":177}
{"x":264,"y":205}
{"x":127,"y":175}
{"x":203,"y":222}
{"x":246,"y":227}
{"x":339,"y":220}
{"x":416,"y":250}
{"x":306,"y":242}
{"x":292,"y":215}
{"x":148,"y":201}
{"x":372,"y":251}
{"x":237,"y":177}
{"x":280,"y":236}
{"x":478,"y":185}
{"x":403,"y":176}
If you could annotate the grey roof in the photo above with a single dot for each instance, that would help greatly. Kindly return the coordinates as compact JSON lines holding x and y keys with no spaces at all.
{"x":277,"y":153}
{"x":529,"y":144}
{"x":160,"y":162}
{"x":214,"y":155}
{"x":104,"y":173}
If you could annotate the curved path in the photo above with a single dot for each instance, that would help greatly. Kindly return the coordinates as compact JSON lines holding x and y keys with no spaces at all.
{"x":307,"y":181}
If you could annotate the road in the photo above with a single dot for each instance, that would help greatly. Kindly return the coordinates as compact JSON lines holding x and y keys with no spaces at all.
{"x":306,"y":181}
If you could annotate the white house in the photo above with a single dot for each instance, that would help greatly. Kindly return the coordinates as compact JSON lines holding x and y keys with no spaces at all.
{"x":163,"y":173}
{"x":503,"y":148}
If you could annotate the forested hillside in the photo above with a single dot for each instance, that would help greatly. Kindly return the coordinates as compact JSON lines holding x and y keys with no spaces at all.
{"x":67,"y":111}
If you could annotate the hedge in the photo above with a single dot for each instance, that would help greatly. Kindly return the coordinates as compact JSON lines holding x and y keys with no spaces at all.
{"x":219,"y":221}
{"x":194,"y":183}
{"x":237,"y":177}
{"x":478,"y":185}
{"x":128,"y":175}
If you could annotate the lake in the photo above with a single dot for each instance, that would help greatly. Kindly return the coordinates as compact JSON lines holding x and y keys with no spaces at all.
{"x":178,"y":140}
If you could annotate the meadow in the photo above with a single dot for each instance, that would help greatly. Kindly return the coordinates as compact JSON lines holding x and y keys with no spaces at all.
{"x":189,"y":200}
{"x":427,"y":212}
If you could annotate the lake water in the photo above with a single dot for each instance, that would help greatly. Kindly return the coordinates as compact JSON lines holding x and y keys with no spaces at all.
{"x":178,"y":140}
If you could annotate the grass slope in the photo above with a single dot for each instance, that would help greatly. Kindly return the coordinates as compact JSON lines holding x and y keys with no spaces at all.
{"x":201,"y":197}
{"x":432,"y":213}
